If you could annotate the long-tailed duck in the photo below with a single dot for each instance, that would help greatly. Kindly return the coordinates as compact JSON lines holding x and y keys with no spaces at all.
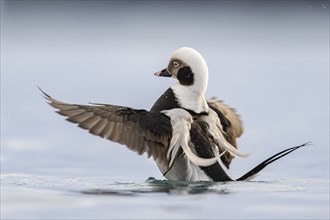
{"x":188,"y":136}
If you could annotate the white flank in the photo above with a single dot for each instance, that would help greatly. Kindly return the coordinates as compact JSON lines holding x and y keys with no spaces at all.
{"x":181,"y":122}
{"x":203,"y":162}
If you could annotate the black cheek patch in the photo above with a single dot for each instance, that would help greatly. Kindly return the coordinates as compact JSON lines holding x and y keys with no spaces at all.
{"x":185,"y":76}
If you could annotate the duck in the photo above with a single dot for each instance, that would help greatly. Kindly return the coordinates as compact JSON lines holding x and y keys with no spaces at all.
{"x":190,"y":138}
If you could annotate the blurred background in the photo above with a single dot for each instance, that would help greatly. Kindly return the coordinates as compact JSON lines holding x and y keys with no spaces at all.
{"x":267,"y":59}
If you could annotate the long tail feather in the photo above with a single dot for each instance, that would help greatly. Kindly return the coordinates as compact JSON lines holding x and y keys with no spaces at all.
{"x":262,"y":165}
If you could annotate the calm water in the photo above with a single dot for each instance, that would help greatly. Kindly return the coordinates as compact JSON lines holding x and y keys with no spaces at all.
{"x":49,"y":197}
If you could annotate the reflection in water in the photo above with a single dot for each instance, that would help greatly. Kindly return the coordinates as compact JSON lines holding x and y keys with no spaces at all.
{"x":153,"y":185}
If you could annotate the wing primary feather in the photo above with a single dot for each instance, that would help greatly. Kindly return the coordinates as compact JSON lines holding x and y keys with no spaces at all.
{"x":90,"y":122}
{"x":98,"y":127}
{"x":70,"y":112}
{"x":80,"y":117}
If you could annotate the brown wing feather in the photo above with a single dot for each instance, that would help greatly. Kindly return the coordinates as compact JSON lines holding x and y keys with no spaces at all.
{"x":140,"y":130}
{"x":231,"y":123}
{"x":234,"y":128}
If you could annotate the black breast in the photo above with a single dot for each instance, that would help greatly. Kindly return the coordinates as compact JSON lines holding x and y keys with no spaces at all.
{"x":165,"y":102}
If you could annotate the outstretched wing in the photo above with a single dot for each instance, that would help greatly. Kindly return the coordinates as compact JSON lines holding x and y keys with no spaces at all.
{"x":140,"y":130}
{"x":231,"y":125}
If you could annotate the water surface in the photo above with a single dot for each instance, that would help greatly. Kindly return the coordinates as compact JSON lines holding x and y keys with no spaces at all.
{"x":49,"y":197}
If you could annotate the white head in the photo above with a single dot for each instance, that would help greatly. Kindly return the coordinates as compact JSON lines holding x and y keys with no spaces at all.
{"x":190,"y":69}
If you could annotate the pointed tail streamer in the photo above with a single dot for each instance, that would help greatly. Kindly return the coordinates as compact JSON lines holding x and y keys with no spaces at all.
{"x":252,"y":173}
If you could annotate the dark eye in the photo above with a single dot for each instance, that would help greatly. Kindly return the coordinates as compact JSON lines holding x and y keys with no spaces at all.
{"x":175,"y":64}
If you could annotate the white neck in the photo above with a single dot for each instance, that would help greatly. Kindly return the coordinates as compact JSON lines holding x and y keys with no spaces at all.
{"x":190,"y":99}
